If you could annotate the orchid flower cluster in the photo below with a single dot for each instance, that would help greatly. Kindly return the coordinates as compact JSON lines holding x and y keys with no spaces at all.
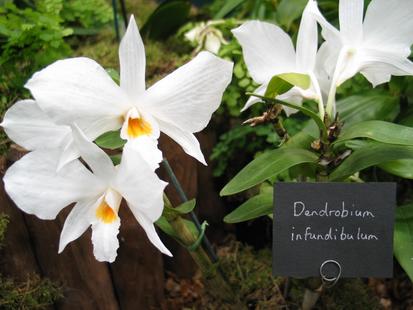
{"x":76,"y":101}
{"x":377,"y":47}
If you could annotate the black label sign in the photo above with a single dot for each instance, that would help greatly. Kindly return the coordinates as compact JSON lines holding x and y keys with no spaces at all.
{"x":347,"y":223}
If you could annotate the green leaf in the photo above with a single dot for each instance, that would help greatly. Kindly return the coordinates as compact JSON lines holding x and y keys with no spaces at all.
{"x":114,"y":74}
{"x":228,"y":7}
{"x":379,"y":131}
{"x":369,"y":106}
{"x":300,"y":140}
{"x":403,"y":238}
{"x":167,"y":228}
{"x":282,"y":83}
{"x":116,"y":159}
{"x":110,"y":140}
{"x":370,"y":155}
{"x":289,"y":10}
{"x":266,"y":166}
{"x":166,"y":19}
{"x":184,"y":208}
{"x":304,"y":110}
{"x":402,"y":168}
{"x":255,"y":207}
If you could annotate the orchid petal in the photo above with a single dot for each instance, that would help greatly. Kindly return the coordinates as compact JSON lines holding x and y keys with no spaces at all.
{"x":351,"y":20}
{"x":294,"y":96}
{"x":307,"y":40}
{"x":212,"y":43}
{"x":34,"y":185}
{"x":148,"y":149}
{"x":186,"y":140}
{"x":267,"y":50}
{"x":329,"y":32}
{"x":253,"y":100}
{"x":77,"y":222}
{"x":377,"y":66}
{"x":150,"y":231}
{"x":28,"y":126}
{"x":188,"y":96}
{"x":132,"y":61}
{"x":69,"y":153}
{"x":105,"y":240}
{"x":96,"y":158}
{"x":138,"y":184}
{"x":389,"y":24}
{"x":79,"y":90}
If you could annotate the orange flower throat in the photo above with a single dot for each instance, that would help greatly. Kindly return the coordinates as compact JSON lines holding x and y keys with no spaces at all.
{"x":105,"y":213}
{"x":138,"y":127}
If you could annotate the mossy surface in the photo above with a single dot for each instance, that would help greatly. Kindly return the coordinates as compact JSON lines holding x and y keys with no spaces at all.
{"x":35,"y":293}
{"x":250,"y":274}
{"x":4,"y":220}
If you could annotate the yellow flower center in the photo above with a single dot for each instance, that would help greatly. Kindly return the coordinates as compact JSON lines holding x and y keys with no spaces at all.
{"x":138,"y":127}
{"x":105,"y":213}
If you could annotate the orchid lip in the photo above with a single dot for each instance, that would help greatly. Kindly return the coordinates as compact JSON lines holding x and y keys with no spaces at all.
{"x":108,"y":207}
{"x":136,"y":125}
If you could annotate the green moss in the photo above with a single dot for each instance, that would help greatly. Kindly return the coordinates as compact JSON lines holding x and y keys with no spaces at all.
{"x":249,"y":273}
{"x":4,"y":220}
{"x":35,"y":293}
{"x":349,"y":294}
{"x":346,"y":294}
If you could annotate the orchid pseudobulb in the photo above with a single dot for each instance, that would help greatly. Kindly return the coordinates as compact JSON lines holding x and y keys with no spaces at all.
{"x":36,"y":187}
{"x":79,"y":90}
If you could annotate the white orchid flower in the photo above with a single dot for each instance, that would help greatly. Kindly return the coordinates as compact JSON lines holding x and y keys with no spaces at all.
{"x":207,"y":36}
{"x":79,"y":90}
{"x":269,"y":51}
{"x":377,"y":47}
{"x":36,"y":188}
{"x":30,"y":127}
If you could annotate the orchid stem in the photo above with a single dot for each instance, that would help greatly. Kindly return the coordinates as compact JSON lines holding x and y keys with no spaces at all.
{"x":215,"y":279}
{"x":115,"y":19}
{"x":182,"y":196}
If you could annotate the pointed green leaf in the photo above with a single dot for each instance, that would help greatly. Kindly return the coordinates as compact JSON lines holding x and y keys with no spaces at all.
{"x":403,"y":238}
{"x":110,"y":140}
{"x":402,"y":168}
{"x":166,"y":19}
{"x":116,"y":159}
{"x":257,"y":206}
{"x":266,"y":166}
{"x":114,"y":74}
{"x":300,"y":140}
{"x":186,"y":207}
{"x":182,"y":209}
{"x":369,"y":106}
{"x":379,"y":131}
{"x":282,"y":83}
{"x":288,"y":11}
{"x":167,"y":228}
{"x":228,"y":7}
{"x":370,"y":155}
